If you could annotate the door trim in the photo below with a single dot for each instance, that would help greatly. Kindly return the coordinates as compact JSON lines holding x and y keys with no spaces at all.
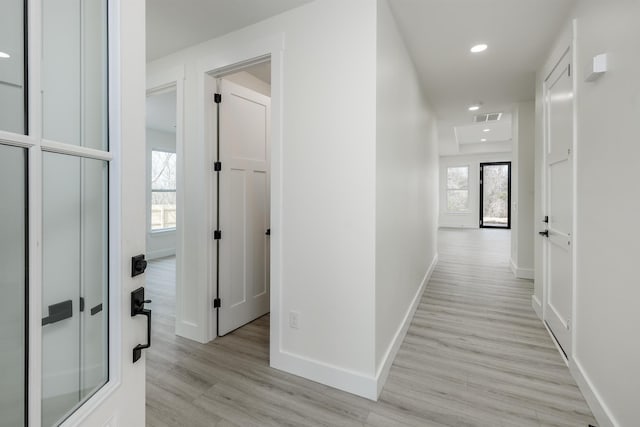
{"x":481,"y":198}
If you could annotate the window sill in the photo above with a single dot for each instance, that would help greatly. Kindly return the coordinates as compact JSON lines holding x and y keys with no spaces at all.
{"x":162,"y":231}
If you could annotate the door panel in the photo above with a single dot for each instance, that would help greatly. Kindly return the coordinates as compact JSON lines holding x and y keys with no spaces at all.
{"x":558,"y":261}
{"x":75,"y":260}
{"x":13,"y":281}
{"x":244,"y":206}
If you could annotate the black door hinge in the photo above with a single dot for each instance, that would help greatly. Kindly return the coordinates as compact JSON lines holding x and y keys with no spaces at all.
{"x":217,"y":98}
{"x":217,"y":166}
{"x":217,"y":234}
{"x":81,"y":304}
{"x":216,"y":303}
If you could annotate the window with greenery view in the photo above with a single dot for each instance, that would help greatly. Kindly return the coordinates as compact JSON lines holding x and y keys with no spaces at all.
{"x":163,"y":190}
{"x":458,"y":189}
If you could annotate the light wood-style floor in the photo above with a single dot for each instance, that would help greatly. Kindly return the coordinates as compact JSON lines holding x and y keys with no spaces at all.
{"x":475,"y":355}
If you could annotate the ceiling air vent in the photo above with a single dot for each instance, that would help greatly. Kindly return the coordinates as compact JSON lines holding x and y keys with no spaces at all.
{"x":489,"y":117}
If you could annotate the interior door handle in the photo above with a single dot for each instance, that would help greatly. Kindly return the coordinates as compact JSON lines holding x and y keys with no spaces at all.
{"x":57,"y":312}
{"x":137,"y":307}
{"x":544,"y":233}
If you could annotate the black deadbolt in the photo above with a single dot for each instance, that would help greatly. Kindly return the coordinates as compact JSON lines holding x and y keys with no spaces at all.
{"x":138,"y":265}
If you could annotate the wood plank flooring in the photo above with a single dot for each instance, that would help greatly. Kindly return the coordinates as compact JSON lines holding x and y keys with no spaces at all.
{"x":475,"y":355}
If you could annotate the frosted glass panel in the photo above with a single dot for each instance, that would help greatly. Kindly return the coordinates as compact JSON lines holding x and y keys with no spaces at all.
{"x":75,"y":283}
{"x":12,"y":84}
{"x":74,"y":72}
{"x":12,"y":285}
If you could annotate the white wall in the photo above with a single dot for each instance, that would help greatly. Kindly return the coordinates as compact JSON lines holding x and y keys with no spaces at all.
{"x":469,"y":219}
{"x":328,"y":109}
{"x":522,"y":184}
{"x":159,"y":243}
{"x":606,"y":345}
{"x":406,"y":190}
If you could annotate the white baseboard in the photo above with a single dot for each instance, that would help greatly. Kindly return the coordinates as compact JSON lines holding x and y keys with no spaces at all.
{"x":190,"y":331}
{"x":521,"y":273}
{"x":357,"y":383}
{"x":161,"y":253}
{"x":599,"y":409}
{"x":398,"y":338}
{"x":537,"y":306}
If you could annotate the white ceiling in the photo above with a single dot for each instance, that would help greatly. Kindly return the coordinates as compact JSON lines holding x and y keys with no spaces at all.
{"x":175,"y":24}
{"x":439,"y":34}
{"x":161,"y":111}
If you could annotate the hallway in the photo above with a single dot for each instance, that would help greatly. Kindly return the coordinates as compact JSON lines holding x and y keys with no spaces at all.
{"x":475,"y":354}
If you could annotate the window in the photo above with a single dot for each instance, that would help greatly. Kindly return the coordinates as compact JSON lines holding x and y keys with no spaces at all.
{"x":163,"y":190}
{"x":458,"y":189}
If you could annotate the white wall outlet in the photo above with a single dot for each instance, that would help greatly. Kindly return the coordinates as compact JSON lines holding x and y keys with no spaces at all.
{"x":294,"y":320}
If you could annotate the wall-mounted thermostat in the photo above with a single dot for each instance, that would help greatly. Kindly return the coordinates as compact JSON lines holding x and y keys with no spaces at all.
{"x":597,"y":68}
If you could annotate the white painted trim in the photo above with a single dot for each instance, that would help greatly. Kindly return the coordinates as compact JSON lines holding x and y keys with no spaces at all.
{"x":600,"y":410}
{"x":521,"y":273}
{"x":230,"y":53}
{"x":343,"y":379}
{"x":537,"y":306}
{"x":8,"y":138}
{"x":75,"y":150}
{"x":398,"y":338}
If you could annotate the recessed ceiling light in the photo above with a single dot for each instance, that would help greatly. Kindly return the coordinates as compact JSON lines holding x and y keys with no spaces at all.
{"x":486,"y":130}
{"x":474,"y":107}
{"x":479,"y":48}
{"x":4,"y":55}
{"x":483,"y":140}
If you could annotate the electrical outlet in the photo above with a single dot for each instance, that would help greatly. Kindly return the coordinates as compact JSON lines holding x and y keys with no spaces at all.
{"x":294,"y":320}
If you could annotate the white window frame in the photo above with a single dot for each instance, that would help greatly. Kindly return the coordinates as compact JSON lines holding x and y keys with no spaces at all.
{"x":447,"y":189}
{"x":150,"y":192}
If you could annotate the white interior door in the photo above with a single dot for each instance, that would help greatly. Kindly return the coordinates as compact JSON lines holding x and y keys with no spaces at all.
{"x":559,"y":202}
{"x":244,"y":206}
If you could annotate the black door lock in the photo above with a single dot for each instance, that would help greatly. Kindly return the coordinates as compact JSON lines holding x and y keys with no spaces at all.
{"x":137,"y":307}
{"x":138,"y":265}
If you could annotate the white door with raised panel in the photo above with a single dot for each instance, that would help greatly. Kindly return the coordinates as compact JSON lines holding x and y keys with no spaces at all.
{"x":558,"y":258}
{"x":244,"y":206}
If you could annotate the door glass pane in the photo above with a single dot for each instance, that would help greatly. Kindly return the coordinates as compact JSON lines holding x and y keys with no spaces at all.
{"x":74,"y":72}
{"x":13,"y":247}
{"x":12,"y":81}
{"x":75,"y":283}
{"x":495,"y":196}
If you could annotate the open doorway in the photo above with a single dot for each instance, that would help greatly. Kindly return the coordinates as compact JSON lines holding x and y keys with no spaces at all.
{"x":242,"y":188}
{"x":495,"y":195}
{"x":162,"y":206}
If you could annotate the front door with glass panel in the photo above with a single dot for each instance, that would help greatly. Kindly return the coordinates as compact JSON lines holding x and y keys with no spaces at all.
{"x":68,"y":128}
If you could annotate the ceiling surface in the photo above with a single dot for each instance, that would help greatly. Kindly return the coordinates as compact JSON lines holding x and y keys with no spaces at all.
{"x":175,"y":24}
{"x":438,"y":34}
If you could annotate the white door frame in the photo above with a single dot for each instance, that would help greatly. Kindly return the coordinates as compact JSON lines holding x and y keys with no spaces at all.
{"x":565,"y":47}
{"x":157,"y":81}
{"x":227,"y":57}
{"x":117,"y":402}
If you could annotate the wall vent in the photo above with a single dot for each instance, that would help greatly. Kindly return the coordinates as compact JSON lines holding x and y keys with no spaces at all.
{"x":489,"y":117}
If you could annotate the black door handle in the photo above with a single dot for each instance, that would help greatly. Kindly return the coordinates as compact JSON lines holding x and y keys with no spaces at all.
{"x":137,"y":307}
{"x":57,"y":312}
{"x":544,"y":233}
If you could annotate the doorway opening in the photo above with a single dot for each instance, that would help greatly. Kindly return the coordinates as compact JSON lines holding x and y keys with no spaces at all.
{"x":242,"y":199}
{"x":495,"y":195}
{"x":162,"y":203}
